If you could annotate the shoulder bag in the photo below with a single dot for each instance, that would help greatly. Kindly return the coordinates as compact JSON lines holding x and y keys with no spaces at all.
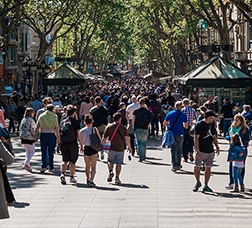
{"x":168,"y":137}
{"x":95,"y":140}
{"x":107,"y":144}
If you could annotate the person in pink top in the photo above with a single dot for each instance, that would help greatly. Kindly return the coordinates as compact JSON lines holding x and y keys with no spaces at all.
{"x":86,"y":105}
{"x":2,"y":120}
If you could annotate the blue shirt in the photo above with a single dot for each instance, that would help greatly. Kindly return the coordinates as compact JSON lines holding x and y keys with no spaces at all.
{"x":178,"y":128}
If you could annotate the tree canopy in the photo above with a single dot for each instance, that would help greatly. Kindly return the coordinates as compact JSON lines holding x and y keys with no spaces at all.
{"x":114,"y":31}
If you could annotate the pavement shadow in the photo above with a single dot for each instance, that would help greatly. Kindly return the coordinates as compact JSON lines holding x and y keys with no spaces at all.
{"x":24,"y":180}
{"x":152,"y":158}
{"x":224,"y":143}
{"x":81,"y":185}
{"x":128,"y":185}
{"x":153,"y":148}
{"x":155,"y":163}
{"x":182,"y":171}
{"x":229,"y":195}
{"x":19,"y":204}
{"x":219,"y":173}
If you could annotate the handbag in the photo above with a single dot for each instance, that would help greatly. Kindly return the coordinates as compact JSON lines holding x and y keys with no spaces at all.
{"x":95,"y":141}
{"x":168,"y":137}
{"x":107,"y":144}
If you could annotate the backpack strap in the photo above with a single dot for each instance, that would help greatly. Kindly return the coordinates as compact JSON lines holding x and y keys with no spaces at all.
{"x":175,"y":121}
{"x":113,"y":135}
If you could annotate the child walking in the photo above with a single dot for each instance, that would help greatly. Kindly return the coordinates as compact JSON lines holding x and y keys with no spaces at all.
{"x":236,"y":155}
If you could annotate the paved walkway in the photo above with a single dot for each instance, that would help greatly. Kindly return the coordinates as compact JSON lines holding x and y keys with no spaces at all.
{"x":150,"y":195}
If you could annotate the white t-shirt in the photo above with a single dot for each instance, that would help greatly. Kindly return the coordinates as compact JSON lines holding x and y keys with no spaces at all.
{"x":131,"y":108}
{"x":238,"y":164}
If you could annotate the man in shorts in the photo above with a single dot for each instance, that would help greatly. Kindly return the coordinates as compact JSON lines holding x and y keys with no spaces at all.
{"x":205,"y":137}
{"x":70,"y":151}
{"x":117,"y":146}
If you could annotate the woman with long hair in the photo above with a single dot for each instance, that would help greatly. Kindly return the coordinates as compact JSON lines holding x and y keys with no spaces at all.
{"x":239,"y":127}
{"x":27,"y":134}
{"x":90,"y":154}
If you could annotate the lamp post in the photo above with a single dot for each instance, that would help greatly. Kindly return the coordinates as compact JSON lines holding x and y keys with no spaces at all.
{"x":29,"y":67}
{"x":44,"y":69}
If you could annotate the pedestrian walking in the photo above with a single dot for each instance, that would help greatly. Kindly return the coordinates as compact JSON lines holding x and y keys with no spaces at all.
{"x":240,"y":127}
{"x":236,"y":155}
{"x":176,"y":121}
{"x":11,"y":109}
{"x":6,"y":194}
{"x":36,"y":104}
{"x":119,"y":136}
{"x":141,"y":121}
{"x":227,"y":112}
{"x":129,"y":115}
{"x":49,"y":134}
{"x":188,"y":139}
{"x":100,"y":117}
{"x":69,"y":132}
{"x":27,"y":135}
{"x":90,"y":154}
{"x":20,"y":112}
{"x":205,"y":137}
{"x":155,"y":107}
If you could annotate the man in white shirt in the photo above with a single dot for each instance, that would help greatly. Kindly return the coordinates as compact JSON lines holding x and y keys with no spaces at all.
{"x":129,"y":115}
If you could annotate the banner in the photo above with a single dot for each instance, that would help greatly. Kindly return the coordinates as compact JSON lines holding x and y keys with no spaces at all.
{"x":1,"y":64}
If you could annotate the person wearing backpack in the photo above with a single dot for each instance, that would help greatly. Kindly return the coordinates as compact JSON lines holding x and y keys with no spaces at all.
{"x":69,"y":134}
{"x":49,"y":134}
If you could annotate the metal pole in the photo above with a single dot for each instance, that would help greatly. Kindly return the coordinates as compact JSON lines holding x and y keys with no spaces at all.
{"x":29,"y":74}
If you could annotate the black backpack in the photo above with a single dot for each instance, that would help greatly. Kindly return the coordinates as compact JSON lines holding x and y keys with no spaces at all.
{"x":67,"y":132}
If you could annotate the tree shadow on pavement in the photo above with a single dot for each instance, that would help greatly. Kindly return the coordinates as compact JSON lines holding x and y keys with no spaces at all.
{"x":128,"y":185}
{"x":24,"y":180}
{"x":81,"y":185}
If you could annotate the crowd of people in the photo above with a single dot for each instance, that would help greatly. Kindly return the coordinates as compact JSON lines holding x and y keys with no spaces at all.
{"x":124,"y":114}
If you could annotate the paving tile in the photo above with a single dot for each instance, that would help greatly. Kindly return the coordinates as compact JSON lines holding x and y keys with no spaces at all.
{"x":151,"y":196}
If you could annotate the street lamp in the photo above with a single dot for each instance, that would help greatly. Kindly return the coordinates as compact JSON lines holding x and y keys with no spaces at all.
{"x":29,"y":67}
{"x":44,"y":69}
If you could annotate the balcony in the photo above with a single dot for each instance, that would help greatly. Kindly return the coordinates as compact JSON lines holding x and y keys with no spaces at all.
{"x":249,"y":56}
{"x":241,"y":56}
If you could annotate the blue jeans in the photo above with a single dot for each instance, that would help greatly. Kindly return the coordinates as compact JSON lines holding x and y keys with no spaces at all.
{"x":226,"y":126}
{"x":176,"y":150}
{"x":237,"y":175}
{"x":47,"y":144}
{"x":141,"y":138}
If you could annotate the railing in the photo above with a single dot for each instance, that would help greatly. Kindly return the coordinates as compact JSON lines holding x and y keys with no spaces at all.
{"x":240,"y":55}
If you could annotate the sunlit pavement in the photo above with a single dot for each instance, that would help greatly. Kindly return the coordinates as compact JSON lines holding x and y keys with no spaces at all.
{"x":150,"y":195}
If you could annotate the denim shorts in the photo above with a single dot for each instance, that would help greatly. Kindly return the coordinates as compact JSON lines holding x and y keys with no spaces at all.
{"x":115,"y":157}
{"x":207,"y":158}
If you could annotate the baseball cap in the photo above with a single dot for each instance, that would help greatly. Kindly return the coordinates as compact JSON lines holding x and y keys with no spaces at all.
{"x":209,"y":113}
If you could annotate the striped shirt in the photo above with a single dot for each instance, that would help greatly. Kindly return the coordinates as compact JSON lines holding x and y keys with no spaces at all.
{"x":190,"y":114}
